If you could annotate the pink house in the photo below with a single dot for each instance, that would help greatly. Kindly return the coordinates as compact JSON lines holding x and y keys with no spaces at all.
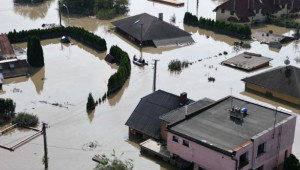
{"x":233,"y":134}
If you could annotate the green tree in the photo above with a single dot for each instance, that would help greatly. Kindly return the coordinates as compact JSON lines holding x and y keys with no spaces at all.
{"x":90,"y":103}
{"x":292,"y":163}
{"x":35,"y":55}
{"x":114,"y":164}
{"x":25,"y":120}
{"x":7,"y":110}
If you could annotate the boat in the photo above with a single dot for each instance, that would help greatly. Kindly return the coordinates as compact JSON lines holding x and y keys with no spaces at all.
{"x":140,"y":62}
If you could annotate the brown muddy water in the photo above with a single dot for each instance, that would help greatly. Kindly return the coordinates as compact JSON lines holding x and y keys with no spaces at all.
{"x":72,"y":71}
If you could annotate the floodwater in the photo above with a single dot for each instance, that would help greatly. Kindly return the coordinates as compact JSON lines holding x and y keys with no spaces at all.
{"x":72,"y":71}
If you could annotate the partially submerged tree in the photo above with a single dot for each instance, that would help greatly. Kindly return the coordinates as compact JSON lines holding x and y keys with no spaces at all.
{"x":292,"y":163}
{"x":35,"y":55}
{"x":114,"y":164}
{"x":90,"y":105}
{"x":25,"y":120}
{"x":7,"y":110}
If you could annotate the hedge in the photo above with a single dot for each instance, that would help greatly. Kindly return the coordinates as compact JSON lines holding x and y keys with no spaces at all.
{"x":117,"y":80}
{"x":282,"y":22}
{"x":79,"y":34}
{"x":232,"y":29}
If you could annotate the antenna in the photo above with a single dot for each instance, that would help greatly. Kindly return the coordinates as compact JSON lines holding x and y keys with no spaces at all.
{"x":231,"y":95}
{"x":275,"y":122}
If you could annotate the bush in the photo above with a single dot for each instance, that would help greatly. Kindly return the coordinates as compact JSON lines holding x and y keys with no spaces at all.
{"x":282,"y":22}
{"x":117,"y":80}
{"x":176,"y":65}
{"x":90,"y":105}
{"x":80,"y":34}
{"x":35,"y":55}
{"x":25,"y":120}
{"x":7,"y":110}
{"x":232,"y":29}
{"x":292,"y":163}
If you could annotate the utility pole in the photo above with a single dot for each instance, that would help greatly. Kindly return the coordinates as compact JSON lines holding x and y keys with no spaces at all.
{"x":154,"y":77}
{"x":59,"y":13}
{"x":45,"y":145}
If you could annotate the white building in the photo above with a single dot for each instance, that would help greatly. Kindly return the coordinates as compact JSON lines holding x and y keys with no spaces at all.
{"x":250,"y":11}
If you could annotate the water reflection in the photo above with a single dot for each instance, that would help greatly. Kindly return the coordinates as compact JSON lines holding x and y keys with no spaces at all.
{"x":91,"y":115}
{"x":38,"y":78}
{"x":116,"y":97}
{"x":33,"y":11}
{"x":89,"y":23}
{"x":190,"y":29}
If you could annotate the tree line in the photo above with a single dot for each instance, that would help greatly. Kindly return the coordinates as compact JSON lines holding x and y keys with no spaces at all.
{"x":232,"y":29}
{"x":79,"y":34}
{"x":117,"y":80}
{"x":103,"y":9}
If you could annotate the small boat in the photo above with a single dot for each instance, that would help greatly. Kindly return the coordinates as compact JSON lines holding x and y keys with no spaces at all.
{"x":140,"y":61}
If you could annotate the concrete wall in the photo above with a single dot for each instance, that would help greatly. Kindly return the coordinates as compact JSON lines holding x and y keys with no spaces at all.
{"x":276,"y":146}
{"x":201,"y":156}
{"x":275,"y":94}
{"x":163,"y":130}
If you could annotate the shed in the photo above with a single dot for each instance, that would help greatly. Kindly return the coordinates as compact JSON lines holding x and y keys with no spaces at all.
{"x":248,"y":61}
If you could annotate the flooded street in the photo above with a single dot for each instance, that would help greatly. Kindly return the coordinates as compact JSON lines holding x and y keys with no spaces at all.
{"x":72,"y":71}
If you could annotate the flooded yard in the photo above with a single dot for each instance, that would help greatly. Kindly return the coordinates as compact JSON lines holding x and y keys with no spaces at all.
{"x":72,"y":71}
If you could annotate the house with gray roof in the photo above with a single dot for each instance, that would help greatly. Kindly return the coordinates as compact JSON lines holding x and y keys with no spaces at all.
{"x":144,"y":121}
{"x":282,"y":83}
{"x":146,"y":29}
{"x":232,"y":133}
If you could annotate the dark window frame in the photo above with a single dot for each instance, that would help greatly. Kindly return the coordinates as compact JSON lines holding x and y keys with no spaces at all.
{"x":175,"y":138}
{"x":222,"y":10}
{"x":185,"y":143}
{"x":231,"y":12}
{"x":261,"y":149}
{"x":243,"y":161}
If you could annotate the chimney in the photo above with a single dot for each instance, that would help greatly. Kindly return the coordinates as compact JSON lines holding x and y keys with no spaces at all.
{"x":183,"y":98}
{"x":161,"y":16}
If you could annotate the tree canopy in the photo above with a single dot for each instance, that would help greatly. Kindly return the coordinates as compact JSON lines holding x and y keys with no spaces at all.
{"x":35,"y":55}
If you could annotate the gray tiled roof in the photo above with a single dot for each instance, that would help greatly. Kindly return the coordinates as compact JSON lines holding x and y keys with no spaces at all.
{"x":145,"y":117}
{"x":213,"y":127}
{"x":153,"y":28}
{"x":285,"y":80}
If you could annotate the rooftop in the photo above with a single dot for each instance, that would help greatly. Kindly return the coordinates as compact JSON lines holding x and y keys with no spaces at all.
{"x":179,"y":114}
{"x":212,"y":126}
{"x":153,"y":29}
{"x":14,"y":68}
{"x":145,"y":117}
{"x":285,"y":80}
{"x":247,"y":61}
{"x":6,"y":50}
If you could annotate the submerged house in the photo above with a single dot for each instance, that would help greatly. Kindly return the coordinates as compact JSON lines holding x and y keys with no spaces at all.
{"x":248,"y":61}
{"x":251,"y":11}
{"x":144,"y":121}
{"x":282,"y":83}
{"x":14,"y":68}
{"x":148,"y":30}
{"x":233,"y":134}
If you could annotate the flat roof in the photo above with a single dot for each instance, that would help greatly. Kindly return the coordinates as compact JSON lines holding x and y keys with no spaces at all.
{"x":213,"y":127}
{"x":247,"y":61}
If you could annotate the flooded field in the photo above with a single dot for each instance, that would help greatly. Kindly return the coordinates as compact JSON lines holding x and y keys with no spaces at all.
{"x":72,"y":71}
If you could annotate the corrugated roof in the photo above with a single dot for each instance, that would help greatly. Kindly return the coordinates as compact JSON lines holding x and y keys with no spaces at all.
{"x":153,"y":28}
{"x":285,"y":80}
{"x":145,"y":117}
{"x":247,"y":61}
{"x":212,"y":126}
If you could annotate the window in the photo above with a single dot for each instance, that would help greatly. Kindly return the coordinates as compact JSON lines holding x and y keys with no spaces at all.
{"x":223,"y":10}
{"x":185,"y":143}
{"x":243,"y":160}
{"x":260,"y":168}
{"x":261,"y":149}
{"x":257,"y":11}
{"x":175,"y":139}
{"x":231,"y":12}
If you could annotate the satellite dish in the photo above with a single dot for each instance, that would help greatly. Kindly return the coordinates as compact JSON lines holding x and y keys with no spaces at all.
{"x":287,"y":61}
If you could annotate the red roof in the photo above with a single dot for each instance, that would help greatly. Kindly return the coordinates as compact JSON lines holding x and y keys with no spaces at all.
{"x":247,"y":8}
{"x":5,"y":46}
